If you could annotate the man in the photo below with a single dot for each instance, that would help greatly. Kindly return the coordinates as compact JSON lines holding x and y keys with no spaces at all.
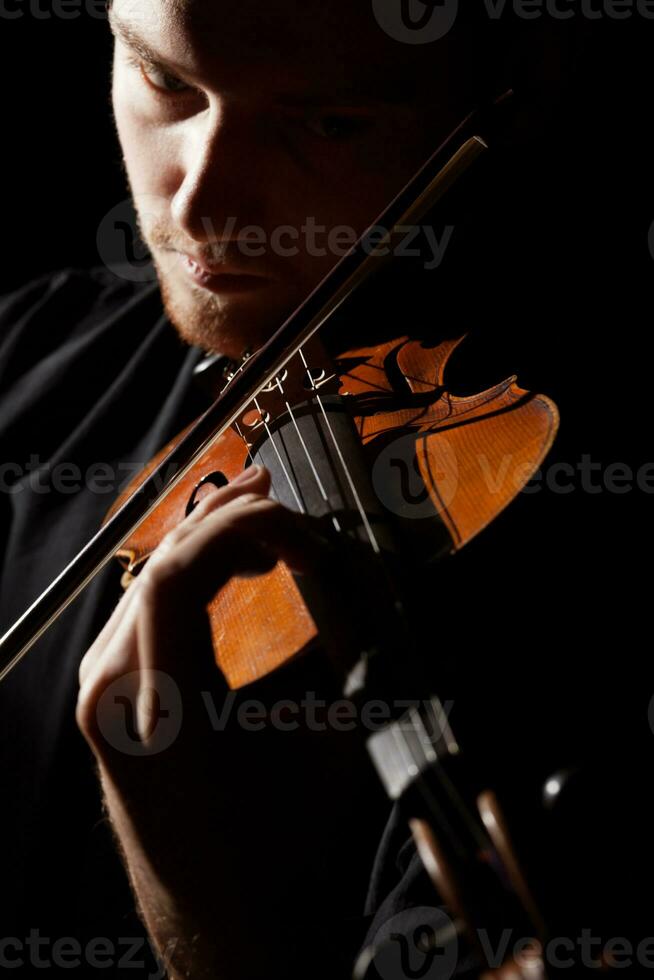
{"x":273,"y":118}
{"x":231,"y":118}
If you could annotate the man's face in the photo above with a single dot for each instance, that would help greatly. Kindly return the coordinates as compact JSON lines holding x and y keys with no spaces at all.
{"x":259,"y":139}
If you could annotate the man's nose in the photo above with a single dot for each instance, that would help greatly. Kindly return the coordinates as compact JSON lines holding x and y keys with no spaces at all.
{"x":220,"y":176}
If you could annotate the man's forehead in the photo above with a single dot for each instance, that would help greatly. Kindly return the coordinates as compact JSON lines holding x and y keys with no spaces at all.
{"x":336,"y":25}
{"x":339,"y":41}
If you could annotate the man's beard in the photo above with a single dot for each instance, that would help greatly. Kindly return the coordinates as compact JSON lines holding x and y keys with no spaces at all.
{"x":197,"y":315}
{"x":199,"y":321}
{"x":223,"y":324}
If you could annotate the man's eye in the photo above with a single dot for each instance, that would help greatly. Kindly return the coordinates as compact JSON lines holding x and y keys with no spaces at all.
{"x":158,"y":79}
{"x":336,"y":127}
{"x":163,"y":81}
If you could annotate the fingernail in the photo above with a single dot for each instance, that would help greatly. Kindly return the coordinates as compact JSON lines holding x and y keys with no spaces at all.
{"x":248,"y":474}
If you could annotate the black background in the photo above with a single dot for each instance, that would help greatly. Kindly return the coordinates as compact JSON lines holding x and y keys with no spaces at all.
{"x":61,"y":164}
{"x":560,"y":294}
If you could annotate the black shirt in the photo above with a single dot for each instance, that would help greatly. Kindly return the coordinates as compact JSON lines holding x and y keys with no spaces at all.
{"x":93,"y":381}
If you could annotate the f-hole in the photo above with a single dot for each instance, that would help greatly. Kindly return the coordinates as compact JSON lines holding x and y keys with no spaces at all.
{"x":216,"y":479}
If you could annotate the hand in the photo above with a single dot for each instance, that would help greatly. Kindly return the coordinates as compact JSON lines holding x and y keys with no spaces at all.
{"x":218,"y":827}
{"x":236,"y":530}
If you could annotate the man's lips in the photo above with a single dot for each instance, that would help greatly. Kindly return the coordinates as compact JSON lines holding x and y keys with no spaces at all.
{"x":221,"y":279}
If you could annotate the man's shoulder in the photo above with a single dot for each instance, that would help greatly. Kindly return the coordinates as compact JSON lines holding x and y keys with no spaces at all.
{"x":92,"y":287}
{"x":69,"y":306}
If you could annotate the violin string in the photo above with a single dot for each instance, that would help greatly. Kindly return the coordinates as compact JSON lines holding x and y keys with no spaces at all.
{"x":305,"y":449}
{"x":440,"y":724}
{"x":417,"y":764}
{"x":250,"y":456}
{"x":299,"y":503}
{"x":272,"y":440}
{"x":439,"y":719}
{"x":348,"y":475}
{"x":247,"y":446}
{"x":359,"y":506}
{"x":426,"y":743}
{"x":406,"y":754}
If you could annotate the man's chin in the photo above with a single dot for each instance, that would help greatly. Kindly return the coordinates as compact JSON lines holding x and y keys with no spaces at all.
{"x":226,"y":325}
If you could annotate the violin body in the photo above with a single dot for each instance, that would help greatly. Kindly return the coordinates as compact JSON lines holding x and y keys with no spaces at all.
{"x":442,"y":466}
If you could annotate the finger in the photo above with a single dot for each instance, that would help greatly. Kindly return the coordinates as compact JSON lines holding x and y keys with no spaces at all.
{"x":119,"y":634}
{"x":95,"y":713}
{"x":165,"y":627}
{"x":115,"y":652}
{"x":122,"y":619}
{"x":253,"y":479}
{"x":247,"y":536}
{"x":124,"y":612}
{"x":241,"y":537}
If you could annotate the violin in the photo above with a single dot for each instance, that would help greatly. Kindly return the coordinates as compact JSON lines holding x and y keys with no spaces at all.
{"x":368,"y":441}
{"x":334,"y":434}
